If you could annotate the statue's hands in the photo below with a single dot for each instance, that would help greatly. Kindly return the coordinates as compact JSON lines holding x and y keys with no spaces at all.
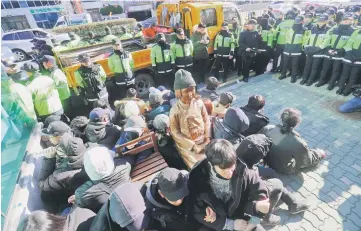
{"x":198,"y":148}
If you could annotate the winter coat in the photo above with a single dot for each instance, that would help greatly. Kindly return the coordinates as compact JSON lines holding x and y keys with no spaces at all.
{"x":222,"y":131}
{"x":79,"y":219}
{"x":289,"y":152}
{"x":253,"y":149}
{"x":93,"y":194}
{"x":104,"y":221}
{"x":247,"y":189}
{"x":257,"y":121}
{"x":314,"y":44}
{"x":295,"y":38}
{"x":102,"y":134}
{"x":169,"y":217}
{"x":162,"y":109}
{"x":249,"y":39}
{"x":200,"y":49}
{"x":353,"y":49}
{"x":338,"y":39}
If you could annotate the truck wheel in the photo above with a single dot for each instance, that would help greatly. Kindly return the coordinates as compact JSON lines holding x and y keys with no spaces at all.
{"x":20,"y":55}
{"x":143,"y":81}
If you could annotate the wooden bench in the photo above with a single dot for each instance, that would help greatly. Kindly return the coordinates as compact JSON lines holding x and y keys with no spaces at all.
{"x":145,"y":169}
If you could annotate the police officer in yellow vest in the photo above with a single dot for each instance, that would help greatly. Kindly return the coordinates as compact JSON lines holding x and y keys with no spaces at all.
{"x":121,"y":63}
{"x":60,"y":80}
{"x":182,"y":50}
{"x":224,"y":46}
{"x":162,"y":61}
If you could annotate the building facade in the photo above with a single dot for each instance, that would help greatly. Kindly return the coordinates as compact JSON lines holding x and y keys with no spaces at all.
{"x":18,"y":15}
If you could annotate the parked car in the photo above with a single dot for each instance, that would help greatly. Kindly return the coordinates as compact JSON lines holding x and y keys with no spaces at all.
{"x":19,"y":41}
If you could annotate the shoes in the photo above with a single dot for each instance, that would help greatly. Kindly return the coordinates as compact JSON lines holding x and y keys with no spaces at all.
{"x":293,"y":80}
{"x":273,"y":70}
{"x":309,"y":83}
{"x":330,"y":87}
{"x":282,"y":77}
{"x":303,"y":82}
{"x":245,"y":79}
{"x":298,"y":207}
{"x":339,"y":91}
{"x":289,"y":74}
{"x":346,"y":93}
{"x":320,"y":84}
{"x":271,"y":220}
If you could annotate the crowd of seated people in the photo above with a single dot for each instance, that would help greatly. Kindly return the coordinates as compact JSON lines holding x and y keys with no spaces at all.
{"x":222,"y":173}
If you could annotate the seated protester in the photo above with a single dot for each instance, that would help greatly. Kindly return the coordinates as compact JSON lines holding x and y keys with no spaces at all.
{"x":168,"y":95}
{"x":231,"y":126}
{"x":130,"y":95}
{"x":253,"y":111}
{"x":210,"y":91}
{"x":134,"y":128}
{"x":223,"y":184}
{"x":124,"y":111}
{"x":289,"y":151}
{"x":99,"y":129}
{"x":125,"y":210}
{"x":354,"y":104}
{"x":105,"y":105}
{"x":158,"y":108}
{"x":44,"y":141}
{"x":105,"y":175}
{"x":78,"y":125}
{"x":167,"y":198}
{"x":78,"y":219}
{"x":68,"y":174}
{"x":251,"y":151}
{"x":221,"y":106}
{"x":166,"y":143}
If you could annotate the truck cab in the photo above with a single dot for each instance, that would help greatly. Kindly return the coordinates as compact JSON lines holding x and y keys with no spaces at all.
{"x":189,"y":14}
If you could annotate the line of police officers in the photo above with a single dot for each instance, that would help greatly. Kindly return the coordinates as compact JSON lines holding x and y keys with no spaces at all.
{"x":307,"y":49}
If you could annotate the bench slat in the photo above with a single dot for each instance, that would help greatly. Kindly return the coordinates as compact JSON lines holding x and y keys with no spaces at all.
{"x":147,"y":167}
{"x":150,"y":161}
{"x":149,"y":172}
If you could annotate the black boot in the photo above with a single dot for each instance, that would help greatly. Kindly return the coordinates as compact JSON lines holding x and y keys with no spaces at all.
{"x":303,"y":81}
{"x":293,"y":79}
{"x":331,"y":87}
{"x":282,"y":77}
{"x":339,"y":91}
{"x":320,"y":84}
{"x":309,"y":82}
{"x":245,"y":79}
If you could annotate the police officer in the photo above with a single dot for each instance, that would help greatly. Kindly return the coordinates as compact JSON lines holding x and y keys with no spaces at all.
{"x":314,"y":47}
{"x":57,"y":46}
{"x":125,"y":35}
{"x":200,"y":40}
{"x":280,"y":38}
{"x":44,"y":93}
{"x":335,"y":52}
{"x":351,"y":72}
{"x":109,"y":37}
{"x":75,"y":41}
{"x":266,"y":43}
{"x":162,"y":61}
{"x":249,"y":42}
{"x":224,"y":45}
{"x":121,"y":63}
{"x":90,"y":79}
{"x":236,"y":30}
{"x":139,"y":33}
{"x":293,"y":49}
{"x":60,"y":80}
{"x":182,"y":50}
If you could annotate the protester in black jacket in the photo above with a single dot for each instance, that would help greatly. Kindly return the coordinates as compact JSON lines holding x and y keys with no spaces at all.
{"x":249,"y":42}
{"x":125,"y":210}
{"x":225,"y":184}
{"x":253,"y":111}
{"x":99,"y":129}
{"x":167,"y":198}
{"x":251,"y":151}
{"x":78,"y":219}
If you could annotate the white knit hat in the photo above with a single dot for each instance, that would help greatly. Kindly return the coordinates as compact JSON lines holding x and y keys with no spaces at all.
{"x":98,"y":163}
{"x":131,"y":109}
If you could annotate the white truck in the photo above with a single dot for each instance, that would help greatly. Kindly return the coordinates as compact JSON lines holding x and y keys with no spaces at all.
{"x":71,"y":20}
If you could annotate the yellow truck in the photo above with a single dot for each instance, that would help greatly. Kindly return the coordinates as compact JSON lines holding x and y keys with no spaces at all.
{"x":169,"y":16}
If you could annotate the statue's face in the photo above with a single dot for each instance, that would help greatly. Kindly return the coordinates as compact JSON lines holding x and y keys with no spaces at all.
{"x":188,"y":94}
